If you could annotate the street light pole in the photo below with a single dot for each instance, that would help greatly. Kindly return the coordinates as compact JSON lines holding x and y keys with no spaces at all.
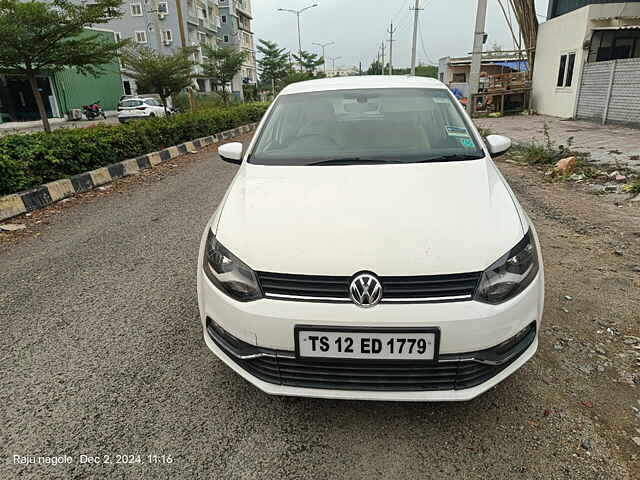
{"x":323,"y":46}
{"x":297,"y":13}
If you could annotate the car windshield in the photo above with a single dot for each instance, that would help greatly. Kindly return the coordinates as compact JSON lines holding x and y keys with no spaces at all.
{"x":131,"y":103}
{"x":402,"y":125}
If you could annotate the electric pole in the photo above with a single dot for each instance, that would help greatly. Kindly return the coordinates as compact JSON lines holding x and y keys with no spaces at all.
{"x":476,"y":55}
{"x":382,"y":70}
{"x":416,"y":11}
{"x":333,"y":61}
{"x":323,"y":46}
{"x":391,"y":31}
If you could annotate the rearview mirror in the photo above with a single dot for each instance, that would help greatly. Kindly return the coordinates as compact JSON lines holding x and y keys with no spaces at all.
{"x":498,"y":145}
{"x":231,"y":152}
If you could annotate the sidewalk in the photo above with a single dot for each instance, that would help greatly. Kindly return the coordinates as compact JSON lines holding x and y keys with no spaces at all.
{"x":607,"y":144}
{"x":11,"y":128}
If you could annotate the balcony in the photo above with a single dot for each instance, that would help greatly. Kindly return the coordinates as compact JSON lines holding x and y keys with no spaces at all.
{"x":244,"y":7}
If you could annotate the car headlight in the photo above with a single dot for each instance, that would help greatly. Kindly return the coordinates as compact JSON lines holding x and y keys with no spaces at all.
{"x":511,"y":274}
{"x":229,"y":273}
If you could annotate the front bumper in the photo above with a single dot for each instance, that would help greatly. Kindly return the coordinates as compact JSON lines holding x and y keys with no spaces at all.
{"x":263,"y":333}
{"x":453,"y":378}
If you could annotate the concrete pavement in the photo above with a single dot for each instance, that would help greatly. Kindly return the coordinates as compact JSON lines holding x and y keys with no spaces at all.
{"x":606,"y":144}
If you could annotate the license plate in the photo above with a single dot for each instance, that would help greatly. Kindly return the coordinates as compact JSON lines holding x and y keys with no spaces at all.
{"x":367,"y":344}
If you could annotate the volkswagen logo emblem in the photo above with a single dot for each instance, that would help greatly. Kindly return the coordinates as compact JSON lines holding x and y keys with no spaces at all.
{"x":365,"y":290}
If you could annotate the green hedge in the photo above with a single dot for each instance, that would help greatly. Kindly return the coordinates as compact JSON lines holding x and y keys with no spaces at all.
{"x":30,"y":160}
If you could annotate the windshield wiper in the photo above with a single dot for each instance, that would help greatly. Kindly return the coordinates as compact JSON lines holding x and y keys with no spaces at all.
{"x":354,"y":161}
{"x":451,"y":158}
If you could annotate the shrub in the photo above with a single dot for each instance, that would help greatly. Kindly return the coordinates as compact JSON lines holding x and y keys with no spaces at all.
{"x":544,"y":153}
{"x":30,"y":160}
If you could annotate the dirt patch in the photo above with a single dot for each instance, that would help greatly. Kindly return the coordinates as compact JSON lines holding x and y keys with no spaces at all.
{"x":590,"y":346}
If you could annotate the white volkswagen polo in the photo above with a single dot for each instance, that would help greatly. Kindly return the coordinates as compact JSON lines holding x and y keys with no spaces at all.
{"x":368,"y":248}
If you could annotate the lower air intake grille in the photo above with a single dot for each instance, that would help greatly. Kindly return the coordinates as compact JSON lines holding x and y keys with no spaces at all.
{"x":451,"y":372}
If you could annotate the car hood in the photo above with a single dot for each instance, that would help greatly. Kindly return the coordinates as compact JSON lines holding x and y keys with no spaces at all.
{"x":417,"y":219}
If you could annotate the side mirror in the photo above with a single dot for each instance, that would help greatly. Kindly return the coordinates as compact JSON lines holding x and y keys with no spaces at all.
{"x":498,"y":145}
{"x":231,"y":152}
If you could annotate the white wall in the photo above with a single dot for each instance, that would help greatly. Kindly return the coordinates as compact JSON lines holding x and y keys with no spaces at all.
{"x":564,"y":34}
{"x":556,"y":37}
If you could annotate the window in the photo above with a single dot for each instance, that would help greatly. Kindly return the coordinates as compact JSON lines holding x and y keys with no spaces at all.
{"x":163,"y":7}
{"x":226,"y":39}
{"x":441,"y":75}
{"x":614,"y":45}
{"x":202,"y":38}
{"x":167,"y":35}
{"x":224,"y":19}
{"x":141,"y":36}
{"x":131,"y":103}
{"x":565,"y":71}
{"x":459,"y":77}
{"x":126,"y":85}
{"x":136,"y":9}
{"x":401,"y":125}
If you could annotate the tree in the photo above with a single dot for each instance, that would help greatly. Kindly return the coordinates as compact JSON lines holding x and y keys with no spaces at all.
{"x":46,"y":37}
{"x":308,"y":61}
{"x":165,"y":75}
{"x":496,"y":49}
{"x":273,"y":64}
{"x":421,"y":71}
{"x":221,"y":65}
{"x":375,"y":68}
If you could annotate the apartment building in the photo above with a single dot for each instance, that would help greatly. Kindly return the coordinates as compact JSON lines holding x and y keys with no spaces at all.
{"x":155,"y":24}
{"x":236,"y":17}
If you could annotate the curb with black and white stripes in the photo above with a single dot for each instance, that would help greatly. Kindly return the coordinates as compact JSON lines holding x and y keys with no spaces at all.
{"x":44,"y":195}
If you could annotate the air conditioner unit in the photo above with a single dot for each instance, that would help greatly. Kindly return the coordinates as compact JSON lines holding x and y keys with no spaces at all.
{"x":76,"y":114}
{"x":162,"y":16}
{"x":167,"y":42}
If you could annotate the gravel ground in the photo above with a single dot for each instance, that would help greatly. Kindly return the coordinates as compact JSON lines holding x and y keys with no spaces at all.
{"x":101,"y":353}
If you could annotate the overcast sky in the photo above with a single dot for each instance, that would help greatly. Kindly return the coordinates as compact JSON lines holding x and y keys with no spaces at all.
{"x":359,"y":26}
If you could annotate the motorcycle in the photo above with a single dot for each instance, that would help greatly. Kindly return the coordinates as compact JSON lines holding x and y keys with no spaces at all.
{"x":93,"y":111}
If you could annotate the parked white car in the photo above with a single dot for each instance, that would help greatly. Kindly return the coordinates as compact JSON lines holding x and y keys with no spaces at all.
{"x":135,"y":108}
{"x":369,"y":248}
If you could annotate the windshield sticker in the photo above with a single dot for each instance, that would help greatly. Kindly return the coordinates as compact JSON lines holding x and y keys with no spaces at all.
{"x":466,"y":142}
{"x":441,"y":100}
{"x":454,"y":131}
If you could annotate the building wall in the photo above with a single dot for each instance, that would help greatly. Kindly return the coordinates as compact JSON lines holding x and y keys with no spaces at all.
{"x":560,"y":7}
{"x":562,"y":35}
{"x":236,"y":32}
{"x":74,"y":90}
{"x":200,"y":25}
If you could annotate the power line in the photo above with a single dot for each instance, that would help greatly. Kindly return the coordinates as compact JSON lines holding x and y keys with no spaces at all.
{"x":424,"y":50}
{"x":402,"y":7}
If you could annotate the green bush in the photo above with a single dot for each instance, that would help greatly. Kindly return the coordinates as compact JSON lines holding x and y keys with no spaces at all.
{"x":30,"y":160}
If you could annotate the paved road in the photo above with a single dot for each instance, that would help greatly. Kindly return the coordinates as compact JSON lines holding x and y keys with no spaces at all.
{"x":101,"y":354}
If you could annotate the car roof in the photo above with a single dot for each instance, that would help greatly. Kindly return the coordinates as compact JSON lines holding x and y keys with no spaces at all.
{"x":365,"y":81}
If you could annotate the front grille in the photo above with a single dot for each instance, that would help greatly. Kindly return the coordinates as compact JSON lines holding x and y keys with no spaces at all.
{"x":409,"y":289}
{"x":451,"y":372}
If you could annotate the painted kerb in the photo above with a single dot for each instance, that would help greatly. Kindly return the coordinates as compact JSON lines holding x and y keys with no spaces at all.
{"x":44,"y":195}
